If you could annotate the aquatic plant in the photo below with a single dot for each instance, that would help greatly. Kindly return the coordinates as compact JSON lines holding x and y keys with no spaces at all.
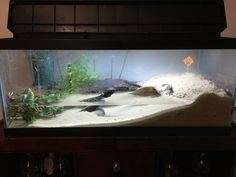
{"x":49,"y":111}
{"x":26,"y":107}
{"x":71,"y":77}
{"x":48,"y":97}
{"x":30,"y":108}
{"x":77,"y":76}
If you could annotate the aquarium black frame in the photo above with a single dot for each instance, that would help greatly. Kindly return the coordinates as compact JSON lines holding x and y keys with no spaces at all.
{"x":119,"y":42}
{"x":110,"y":41}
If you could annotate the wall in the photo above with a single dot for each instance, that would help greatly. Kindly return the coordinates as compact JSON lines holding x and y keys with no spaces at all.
{"x":4,"y":33}
{"x":230,"y":6}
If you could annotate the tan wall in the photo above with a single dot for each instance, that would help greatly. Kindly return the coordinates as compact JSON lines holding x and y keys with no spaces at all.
{"x":4,"y":33}
{"x":230,"y":6}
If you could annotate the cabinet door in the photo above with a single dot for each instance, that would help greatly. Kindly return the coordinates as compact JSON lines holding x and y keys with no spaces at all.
{"x":138,"y":164}
{"x":94,"y":165}
{"x":119,"y":164}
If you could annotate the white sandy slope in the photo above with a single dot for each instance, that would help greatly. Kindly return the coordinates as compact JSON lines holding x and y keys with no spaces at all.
{"x":196,"y":102}
{"x":185,"y":85}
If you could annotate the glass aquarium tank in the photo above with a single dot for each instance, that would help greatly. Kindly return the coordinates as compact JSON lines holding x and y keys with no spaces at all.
{"x":117,"y":88}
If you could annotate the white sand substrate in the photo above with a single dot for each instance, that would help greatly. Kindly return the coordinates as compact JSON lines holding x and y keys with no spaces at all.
{"x":195,"y":102}
{"x":120,"y":109}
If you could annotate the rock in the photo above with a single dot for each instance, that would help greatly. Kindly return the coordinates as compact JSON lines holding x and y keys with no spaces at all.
{"x":146,"y":91}
{"x":165,"y":89}
{"x":100,"y":112}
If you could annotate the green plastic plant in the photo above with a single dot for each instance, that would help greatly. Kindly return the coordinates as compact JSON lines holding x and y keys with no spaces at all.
{"x":27,"y":107}
{"x":48,"y":98}
{"x":30,"y":108}
{"x":77,"y":76}
{"x":49,"y":111}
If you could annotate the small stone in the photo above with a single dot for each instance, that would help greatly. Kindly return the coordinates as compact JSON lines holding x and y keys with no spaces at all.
{"x":166,"y":89}
{"x":100,"y":112}
{"x":146,"y":91}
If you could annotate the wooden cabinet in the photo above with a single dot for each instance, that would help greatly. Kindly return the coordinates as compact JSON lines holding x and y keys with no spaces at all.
{"x":120,"y":164}
{"x":108,"y":164}
{"x":139,"y":156}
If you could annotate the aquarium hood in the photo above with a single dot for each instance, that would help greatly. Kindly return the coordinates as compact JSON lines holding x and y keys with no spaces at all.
{"x":116,"y":24}
{"x":116,"y":19}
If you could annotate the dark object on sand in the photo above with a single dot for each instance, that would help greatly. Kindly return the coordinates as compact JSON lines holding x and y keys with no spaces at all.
{"x":108,"y":93}
{"x":105,"y":94}
{"x":95,"y":108}
{"x":90,"y":108}
{"x":120,"y":85}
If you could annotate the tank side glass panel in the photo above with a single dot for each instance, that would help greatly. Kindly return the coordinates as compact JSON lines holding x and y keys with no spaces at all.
{"x":102,"y":88}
